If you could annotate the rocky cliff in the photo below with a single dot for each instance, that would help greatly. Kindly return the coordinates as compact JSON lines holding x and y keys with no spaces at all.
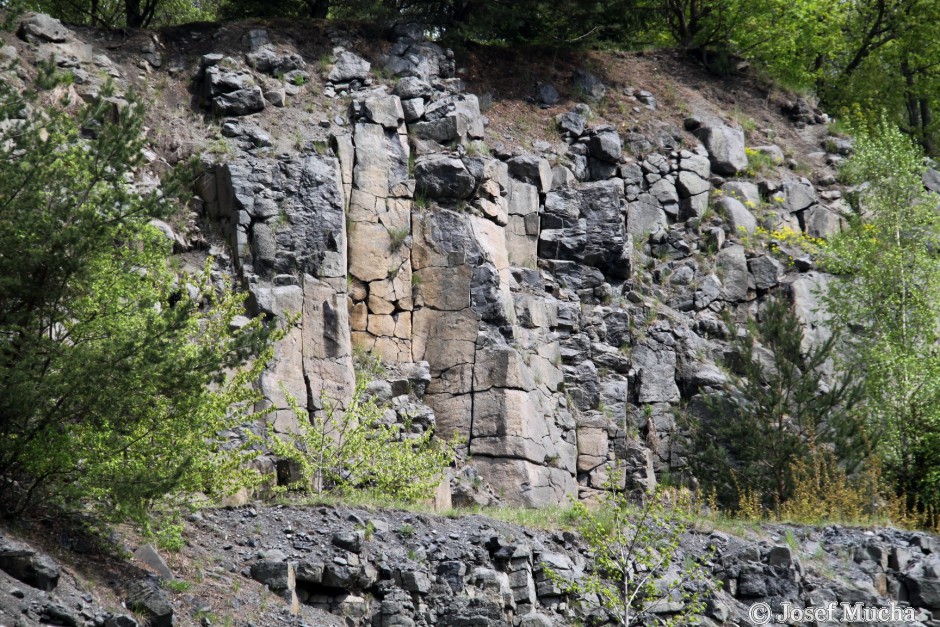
{"x":565,"y":301}
{"x":542,"y":267}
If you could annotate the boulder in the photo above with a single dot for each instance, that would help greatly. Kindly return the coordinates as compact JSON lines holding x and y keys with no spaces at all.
{"x":766,"y":271}
{"x":412,"y":87}
{"x":731,"y":266}
{"x":588,"y":85}
{"x":546,"y":94}
{"x":146,"y":598}
{"x":239,"y":102}
{"x":571,"y":123}
{"x":739,"y":218}
{"x":725,"y":147}
{"x":532,"y":169}
{"x":657,"y":374}
{"x":443,"y":177}
{"x":40,"y":28}
{"x":797,"y":195}
{"x":349,"y":67}
{"x":276,"y":574}
{"x":605,"y":145}
{"x":27,"y":565}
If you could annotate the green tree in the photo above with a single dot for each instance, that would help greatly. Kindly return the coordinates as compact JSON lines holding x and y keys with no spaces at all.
{"x":351,"y":447}
{"x":117,"y":373}
{"x":637,"y":574}
{"x":778,"y":409}
{"x":889,"y":299}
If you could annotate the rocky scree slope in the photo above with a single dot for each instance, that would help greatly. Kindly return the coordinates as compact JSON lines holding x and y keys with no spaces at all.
{"x":554,"y":301}
{"x":336,"y":566}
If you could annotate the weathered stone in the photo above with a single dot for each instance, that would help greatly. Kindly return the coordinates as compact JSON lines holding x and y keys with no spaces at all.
{"x":275,"y":574}
{"x":744,"y":191}
{"x":148,"y":555}
{"x":506,"y":423}
{"x":741,"y":220}
{"x":523,"y":483}
{"x":532,"y":169}
{"x":657,"y":373}
{"x":349,"y":67}
{"x":412,"y":87}
{"x":147,"y":599}
{"x":383,"y":110}
{"x":588,"y":85}
{"x":691,"y":184}
{"x":444,"y":177}
{"x":605,"y":145}
{"x":644,"y":217}
{"x":572,"y":123}
{"x":731,"y":266}
{"x":25,"y":564}
{"x":822,"y":222}
{"x":725,"y":147}
{"x":797,"y":195}
{"x":766,"y":271}
{"x":39,"y":28}
{"x":239,"y":102}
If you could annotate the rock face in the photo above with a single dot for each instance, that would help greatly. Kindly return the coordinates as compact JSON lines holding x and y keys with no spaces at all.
{"x":522,"y":289}
{"x":561,"y":302}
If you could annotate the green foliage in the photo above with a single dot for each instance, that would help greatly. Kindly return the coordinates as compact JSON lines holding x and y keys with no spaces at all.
{"x":889,"y":298}
{"x":637,"y":563}
{"x":116,"y":372}
{"x":777,"y":409}
{"x":342,"y":449}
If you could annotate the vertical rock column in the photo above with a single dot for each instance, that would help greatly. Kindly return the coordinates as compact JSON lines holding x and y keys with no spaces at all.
{"x":286,"y":222}
{"x":379,"y":230}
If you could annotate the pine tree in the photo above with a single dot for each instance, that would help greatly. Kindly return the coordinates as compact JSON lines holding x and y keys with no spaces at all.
{"x":117,"y":373}
{"x":779,"y":407}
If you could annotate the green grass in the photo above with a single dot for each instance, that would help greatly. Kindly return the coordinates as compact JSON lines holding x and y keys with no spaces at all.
{"x":176,"y":585}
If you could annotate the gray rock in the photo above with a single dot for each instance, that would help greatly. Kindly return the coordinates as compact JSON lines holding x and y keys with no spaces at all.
{"x":275,"y":574}
{"x":606,"y":145}
{"x":657,"y":370}
{"x":532,"y":169}
{"x":348,"y":540}
{"x":534,"y":619}
{"x":39,"y":28}
{"x":691,"y":184}
{"x":443,"y":177}
{"x":797,"y":195}
{"x":29,"y":566}
{"x":413,"y":109}
{"x":725,"y":147}
{"x":120,"y":621}
{"x":412,"y":87}
{"x":415,"y":581}
{"x":743,"y":191}
{"x":731,"y":266}
{"x":932,"y":180}
{"x":148,"y":555}
{"x":349,"y":67}
{"x":546,"y":94}
{"x":266,"y":60}
{"x":645,"y":216}
{"x":588,"y":85}
{"x":572,"y":123}
{"x":773,"y":151}
{"x":739,"y":218}
{"x":766,"y":270}
{"x":147,"y":599}
{"x":239,"y":102}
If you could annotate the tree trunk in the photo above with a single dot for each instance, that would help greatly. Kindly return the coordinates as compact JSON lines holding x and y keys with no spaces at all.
{"x":133,"y":16}
{"x":318,"y":9}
